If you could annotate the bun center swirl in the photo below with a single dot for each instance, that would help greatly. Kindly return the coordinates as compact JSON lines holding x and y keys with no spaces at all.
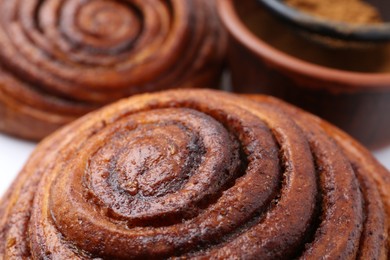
{"x":149,"y":168}
{"x":102,"y":25}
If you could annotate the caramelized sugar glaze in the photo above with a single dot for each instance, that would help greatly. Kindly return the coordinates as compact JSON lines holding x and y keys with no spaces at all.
{"x":198,"y":174}
{"x":62,"y":59}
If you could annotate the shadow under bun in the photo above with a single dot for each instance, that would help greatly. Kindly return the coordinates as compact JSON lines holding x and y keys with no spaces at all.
{"x":198,"y":173}
{"x":62,"y":59}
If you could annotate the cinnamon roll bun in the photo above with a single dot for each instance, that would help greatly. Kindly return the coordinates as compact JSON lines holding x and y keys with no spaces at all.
{"x":198,"y":174}
{"x":62,"y":59}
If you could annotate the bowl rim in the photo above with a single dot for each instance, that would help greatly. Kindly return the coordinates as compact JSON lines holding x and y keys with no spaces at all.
{"x":241,"y":33}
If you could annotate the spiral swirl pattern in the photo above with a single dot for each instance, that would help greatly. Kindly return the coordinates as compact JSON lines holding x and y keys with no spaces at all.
{"x":60,"y":59}
{"x":198,"y":174}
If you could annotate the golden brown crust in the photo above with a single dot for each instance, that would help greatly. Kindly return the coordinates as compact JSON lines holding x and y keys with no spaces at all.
{"x":62,"y":59}
{"x":197,"y":173}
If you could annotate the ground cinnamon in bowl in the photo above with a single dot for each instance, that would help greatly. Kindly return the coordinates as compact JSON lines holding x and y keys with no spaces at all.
{"x":348,"y":11}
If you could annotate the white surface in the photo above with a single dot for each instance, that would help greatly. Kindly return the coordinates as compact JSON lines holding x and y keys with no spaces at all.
{"x":383,"y":156}
{"x":14,"y":153}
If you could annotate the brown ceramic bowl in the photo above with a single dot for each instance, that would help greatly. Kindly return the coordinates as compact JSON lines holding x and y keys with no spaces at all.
{"x":348,"y":86}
